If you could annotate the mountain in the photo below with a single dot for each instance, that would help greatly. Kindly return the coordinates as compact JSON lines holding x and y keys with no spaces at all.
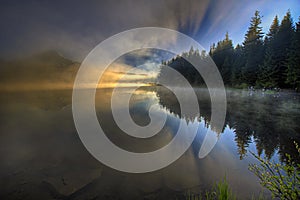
{"x":46,"y":69}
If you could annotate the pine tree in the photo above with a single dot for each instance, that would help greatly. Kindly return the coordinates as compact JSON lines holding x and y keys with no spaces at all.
{"x":274,"y":28}
{"x":284,"y":44}
{"x":293,"y":63}
{"x":237,"y":65}
{"x":268,"y":71}
{"x":253,"y":50}
{"x":222,"y":55}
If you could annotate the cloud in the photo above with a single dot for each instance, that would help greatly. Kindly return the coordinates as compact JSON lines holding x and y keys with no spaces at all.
{"x":74,"y":28}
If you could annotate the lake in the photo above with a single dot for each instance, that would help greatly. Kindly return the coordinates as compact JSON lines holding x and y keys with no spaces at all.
{"x":42,"y":156}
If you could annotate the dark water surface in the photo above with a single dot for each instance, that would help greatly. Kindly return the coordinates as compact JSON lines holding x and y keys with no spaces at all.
{"x":42,"y":156}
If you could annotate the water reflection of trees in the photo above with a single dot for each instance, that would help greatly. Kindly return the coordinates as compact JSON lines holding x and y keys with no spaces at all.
{"x":269,"y":120}
{"x":169,"y":101}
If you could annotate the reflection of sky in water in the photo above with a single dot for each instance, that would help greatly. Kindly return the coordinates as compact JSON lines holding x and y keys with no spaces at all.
{"x":224,"y":158}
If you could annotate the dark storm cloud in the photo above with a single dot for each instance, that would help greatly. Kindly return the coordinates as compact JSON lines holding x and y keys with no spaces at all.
{"x":75,"y":27}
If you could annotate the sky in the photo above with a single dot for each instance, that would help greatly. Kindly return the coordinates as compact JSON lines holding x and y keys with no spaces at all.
{"x":74,"y":28}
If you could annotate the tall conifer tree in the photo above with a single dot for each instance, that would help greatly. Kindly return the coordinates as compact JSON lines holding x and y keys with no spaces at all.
{"x":253,"y":50}
{"x":284,"y":44}
{"x":293,"y":63}
{"x":268,"y":72}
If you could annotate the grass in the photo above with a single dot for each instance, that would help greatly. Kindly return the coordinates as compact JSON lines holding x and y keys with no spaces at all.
{"x":221,"y":191}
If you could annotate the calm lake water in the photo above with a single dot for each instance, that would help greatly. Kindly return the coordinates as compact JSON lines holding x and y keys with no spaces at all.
{"x":42,"y":156}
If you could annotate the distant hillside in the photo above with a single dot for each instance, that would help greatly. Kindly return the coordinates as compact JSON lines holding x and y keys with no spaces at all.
{"x":47,"y":69}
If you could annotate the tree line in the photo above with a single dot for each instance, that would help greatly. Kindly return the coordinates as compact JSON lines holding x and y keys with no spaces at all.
{"x":270,"y":60}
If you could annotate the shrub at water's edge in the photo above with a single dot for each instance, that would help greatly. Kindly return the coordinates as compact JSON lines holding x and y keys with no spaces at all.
{"x":283,"y":180}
